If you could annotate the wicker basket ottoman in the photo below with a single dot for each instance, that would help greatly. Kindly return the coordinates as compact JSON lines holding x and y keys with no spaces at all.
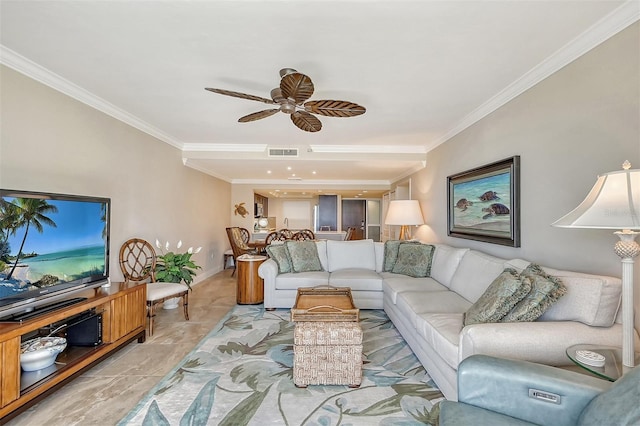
{"x":327,"y":353}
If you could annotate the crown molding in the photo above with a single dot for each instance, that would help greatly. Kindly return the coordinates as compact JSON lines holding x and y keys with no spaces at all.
{"x":369,"y":149}
{"x":224,"y":147}
{"x":312,"y":182}
{"x":605,"y":28}
{"x":186,"y":162}
{"x":37,"y":72}
{"x":409,"y":172}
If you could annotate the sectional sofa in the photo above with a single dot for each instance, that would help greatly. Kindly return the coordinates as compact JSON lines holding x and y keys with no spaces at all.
{"x":429,"y":311}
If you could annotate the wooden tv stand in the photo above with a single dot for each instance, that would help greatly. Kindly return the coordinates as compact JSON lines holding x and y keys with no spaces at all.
{"x":123,"y":308}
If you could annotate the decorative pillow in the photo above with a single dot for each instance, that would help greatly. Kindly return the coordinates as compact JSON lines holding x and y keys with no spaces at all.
{"x":545,"y":291}
{"x":279,"y":253}
{"x":499,"y":298}
{"x":304,"y":256}
{"x":414,"y":260}
{"x":391,"y":253}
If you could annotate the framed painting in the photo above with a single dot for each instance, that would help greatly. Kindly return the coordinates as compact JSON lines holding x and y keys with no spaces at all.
{"x":483,"y":204}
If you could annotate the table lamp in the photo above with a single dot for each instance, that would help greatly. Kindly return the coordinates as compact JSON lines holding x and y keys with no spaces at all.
{"x":614,"y":203}
{"x":404,"y":213}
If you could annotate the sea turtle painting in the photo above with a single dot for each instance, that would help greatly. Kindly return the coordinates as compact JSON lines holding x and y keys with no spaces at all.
{"x":489,"y":196}
{"x":463,"y":203}
{"x":241,"y":210}
{"x":495,"y":210}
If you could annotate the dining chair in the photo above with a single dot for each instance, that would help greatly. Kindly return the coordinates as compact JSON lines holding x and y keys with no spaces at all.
{"x":350,"y":233}
{"x":138,"y":262}
{"x":287,"y":233}
{"x":304,"y":235}
{"x":239,"y":240}
{"x":275,"y":236}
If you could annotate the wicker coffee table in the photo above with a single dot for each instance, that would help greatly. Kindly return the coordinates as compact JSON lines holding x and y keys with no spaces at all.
{"x":327,"y":342}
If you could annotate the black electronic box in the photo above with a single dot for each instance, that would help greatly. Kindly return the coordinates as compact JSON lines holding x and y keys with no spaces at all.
{"x":86,"y":330}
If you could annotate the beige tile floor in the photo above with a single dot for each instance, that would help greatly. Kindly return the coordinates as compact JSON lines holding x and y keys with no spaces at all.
{"x":108,"y":391}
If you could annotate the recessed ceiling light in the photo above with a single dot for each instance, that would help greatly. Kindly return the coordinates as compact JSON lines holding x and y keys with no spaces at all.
{"x":313,"y":172}
{"x":293,"y":174}
{"x":268,"y":172}
{"x":288,"y":167}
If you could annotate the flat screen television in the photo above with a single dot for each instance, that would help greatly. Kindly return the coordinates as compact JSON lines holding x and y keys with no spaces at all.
{"x":51,"y":246}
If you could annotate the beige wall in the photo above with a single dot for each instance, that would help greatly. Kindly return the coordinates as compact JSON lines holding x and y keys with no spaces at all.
{"x":580,"y":122}
{"x":50,"y":142}
{"x":241,"y":194}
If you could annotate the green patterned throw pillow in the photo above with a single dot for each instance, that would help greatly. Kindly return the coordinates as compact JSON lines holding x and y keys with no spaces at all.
{"x":414,"y":260}
{"x":304,"y":256}
{"x":545,"y":291}
{"x":499,"y":298}
{"x":391,"y":248}
{"x":279,"y":253}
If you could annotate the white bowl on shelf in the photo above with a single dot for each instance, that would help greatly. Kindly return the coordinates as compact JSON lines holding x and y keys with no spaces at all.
{"x":41,"y":352}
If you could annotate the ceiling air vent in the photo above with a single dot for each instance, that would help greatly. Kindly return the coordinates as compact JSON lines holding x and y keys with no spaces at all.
{"x":283,"y":152}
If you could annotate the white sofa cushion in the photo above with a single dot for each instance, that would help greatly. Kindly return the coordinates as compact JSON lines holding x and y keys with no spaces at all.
{"x":378,"y":247}
{"x":442,"y":332}
{"x":394,"y":284}
{"x":445,"y":262}
{"x":591,"y":299}
{"x":435,"y":302}
{"x":292,"y":281}
{"x":322,"y":254}
{"x":347,"y":254}
{"x":475,"y":273}
{"x":356,"y":279}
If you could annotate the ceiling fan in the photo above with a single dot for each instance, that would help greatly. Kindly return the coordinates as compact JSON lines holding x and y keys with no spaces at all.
{"x":295,"y":88}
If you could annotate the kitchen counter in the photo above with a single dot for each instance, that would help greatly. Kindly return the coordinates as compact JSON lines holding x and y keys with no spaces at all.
{"x":331,"y":235}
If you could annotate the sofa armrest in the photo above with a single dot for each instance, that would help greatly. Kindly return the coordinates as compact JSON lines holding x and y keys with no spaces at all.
{"x":268,"y":270}
{"x":544,"y":342}
{"x":531,"y":392}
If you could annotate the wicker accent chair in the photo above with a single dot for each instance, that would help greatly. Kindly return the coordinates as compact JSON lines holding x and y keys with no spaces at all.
{"x":137,"y":262}
{"x":239,"y":240}
{"x":304,"y":235}
{"x":229,"y":253}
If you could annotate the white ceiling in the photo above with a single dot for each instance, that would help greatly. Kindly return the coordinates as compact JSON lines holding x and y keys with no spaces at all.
{"x":425,"y":70}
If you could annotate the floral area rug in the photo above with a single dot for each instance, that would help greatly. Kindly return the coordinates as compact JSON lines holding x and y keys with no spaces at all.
{"x":241,"y":374}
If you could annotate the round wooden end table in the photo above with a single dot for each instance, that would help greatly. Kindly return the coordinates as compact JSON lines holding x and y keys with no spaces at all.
{"x":250,"y":286}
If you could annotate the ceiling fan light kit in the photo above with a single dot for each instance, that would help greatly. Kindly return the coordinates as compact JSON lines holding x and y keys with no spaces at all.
{"x":295,"y":89}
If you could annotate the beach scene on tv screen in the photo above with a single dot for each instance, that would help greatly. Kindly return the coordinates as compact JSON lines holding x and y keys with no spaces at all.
{"x":45,"y":242}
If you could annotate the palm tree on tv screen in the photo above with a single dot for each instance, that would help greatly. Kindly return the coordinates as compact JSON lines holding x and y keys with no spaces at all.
{"x":9,"y":215}
{"x":31,"y":213}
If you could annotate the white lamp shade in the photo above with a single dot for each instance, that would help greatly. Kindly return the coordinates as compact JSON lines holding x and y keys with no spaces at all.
{"x":613,"y":203}
{"x":404,"y":212}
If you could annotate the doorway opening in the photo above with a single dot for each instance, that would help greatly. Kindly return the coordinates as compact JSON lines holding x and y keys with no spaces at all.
{"x":363,"y":216}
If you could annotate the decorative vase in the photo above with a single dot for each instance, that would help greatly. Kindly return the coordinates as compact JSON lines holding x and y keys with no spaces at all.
{"x":171,"y":303}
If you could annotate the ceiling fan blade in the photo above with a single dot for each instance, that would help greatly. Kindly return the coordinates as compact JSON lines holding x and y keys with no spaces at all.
{"x":240,"y":95}
{"x":296,"y":86}
{"x":306,"y":121}
{"x":257,"y":115}
{"x":334,"y":108}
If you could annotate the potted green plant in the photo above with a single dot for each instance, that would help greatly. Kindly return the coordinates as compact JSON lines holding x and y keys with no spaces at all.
{"x":172,"y":267}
